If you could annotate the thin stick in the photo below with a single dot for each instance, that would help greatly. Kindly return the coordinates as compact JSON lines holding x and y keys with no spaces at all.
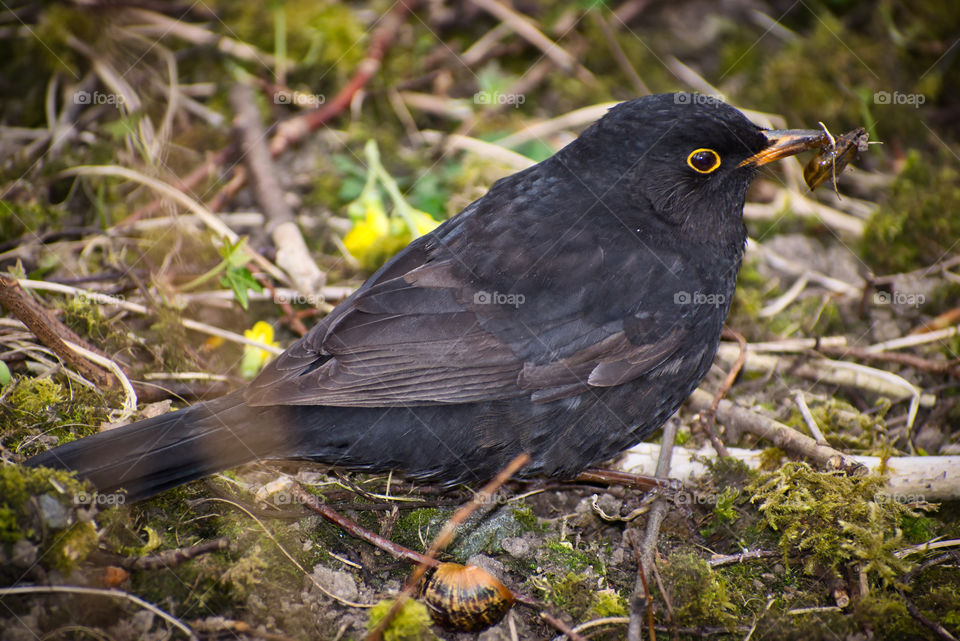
{"x":283,"y":550}
{"x":327,"y":512}
{"x":48,"y":329}
{"x":169,"y":558}
{"x":208,"y":217}
{"x":295,"y":129}
{"x":114,"y":594}
{"x":292,"y":253}
{"x":561,"y":626}
{"x":808,"y":419}
{"x":104,"y":299}
{"x":525,"y":28}
{"x":129,"y":394}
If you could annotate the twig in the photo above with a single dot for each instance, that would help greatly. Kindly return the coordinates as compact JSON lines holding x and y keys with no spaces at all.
{"x":292,"y":254}
{"x":647,"y":597}
{"x":937,"y":629}
{"x":708,"y":418}
{"x":595,"y":623}
{"x":729,"y":559}
{"x":655,"y":518}
{"x":295,"y":129}
{"x":929,"y":545}
{"x":50,"y":331}
{"x":208,"y":217}
{"x":129,"y":394}
{"x":951,"y":368}
{"x":283,"y":550}
{"x":618,"y":53}
{"x":916,"y":339}
{"x":525,"y":28}
{"x":909,"y":478}
{"x":780,"y":303}
{"x":779,"y":434}
{"x":159,"y":25}
{"x":104,"y":299}
{"x":626,"y":479}
{"x":170,"y":558}
{"x":482,"y":148}
{"x":561,"y":626}
{"x":574,"y":119}
{"x":114,"y":594}
{"x":843,"y":373}
{"x":394,"y":549}
{"x":808,"y":419}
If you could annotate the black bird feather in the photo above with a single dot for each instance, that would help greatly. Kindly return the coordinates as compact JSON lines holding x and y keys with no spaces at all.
{"x":567,"y":314}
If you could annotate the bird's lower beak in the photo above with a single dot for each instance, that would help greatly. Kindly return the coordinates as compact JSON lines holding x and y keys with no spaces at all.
{"x":787,"y":142}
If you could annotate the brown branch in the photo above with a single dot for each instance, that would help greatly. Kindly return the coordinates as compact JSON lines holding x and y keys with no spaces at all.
{"x":51,"y":331}
{"x":908,"y":360}
{"x":327,"y":512}
{"x":777,"y":433}
{"x":170,"y":558}
{"x":293,"y":257}
{"x":295,"y":129}
{"x":708,"y":418}
{"x":561,"y":627}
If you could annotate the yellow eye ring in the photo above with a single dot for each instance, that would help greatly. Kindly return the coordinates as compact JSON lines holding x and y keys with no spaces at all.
{"x":703,"y":161}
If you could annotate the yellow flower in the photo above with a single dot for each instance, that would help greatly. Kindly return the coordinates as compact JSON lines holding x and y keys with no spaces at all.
{"x":254,"y":358}
{"x":423,"y":222}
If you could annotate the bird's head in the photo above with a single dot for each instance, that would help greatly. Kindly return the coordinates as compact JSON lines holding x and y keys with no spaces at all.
{"x":688,"y":157}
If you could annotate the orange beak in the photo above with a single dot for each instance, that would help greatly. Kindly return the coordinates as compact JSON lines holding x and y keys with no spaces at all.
{"x":787,"y":142}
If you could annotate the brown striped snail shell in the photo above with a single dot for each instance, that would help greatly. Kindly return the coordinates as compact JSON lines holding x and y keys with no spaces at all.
{"x":465,"y":598}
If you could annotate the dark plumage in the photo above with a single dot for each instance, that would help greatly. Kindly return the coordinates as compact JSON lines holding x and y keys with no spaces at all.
{"x":567,"y":314}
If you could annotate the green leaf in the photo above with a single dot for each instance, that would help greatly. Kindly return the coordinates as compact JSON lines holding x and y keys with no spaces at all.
{"x":240,"y":280}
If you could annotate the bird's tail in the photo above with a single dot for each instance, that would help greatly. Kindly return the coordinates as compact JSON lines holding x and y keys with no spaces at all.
{"x":155,"y":454}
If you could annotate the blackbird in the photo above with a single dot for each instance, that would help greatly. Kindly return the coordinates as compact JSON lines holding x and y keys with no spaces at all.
{"x":566,"y":314}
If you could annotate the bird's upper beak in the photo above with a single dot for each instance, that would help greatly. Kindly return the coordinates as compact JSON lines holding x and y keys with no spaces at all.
{"x":787,"y":142}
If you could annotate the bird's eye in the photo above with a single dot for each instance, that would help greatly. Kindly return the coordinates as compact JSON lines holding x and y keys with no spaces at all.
{"x":703,"y":161}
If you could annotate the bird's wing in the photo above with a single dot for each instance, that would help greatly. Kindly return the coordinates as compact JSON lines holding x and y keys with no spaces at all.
{"x":418,"y":333}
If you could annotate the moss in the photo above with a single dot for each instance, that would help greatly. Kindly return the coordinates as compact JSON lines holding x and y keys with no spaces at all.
{"x":915,"y":226}
{"x":563,"y":554}
{"x":528,"y":520}
{"x":412,"y":622}
{"x":889,"y":614}
{"x":699,"y":594}
{"x":17,"y":219}
{"x":844,"y":426}
{"x":416,"y":528}
{"x":27,"y":513}
{"x":34,"y":396}
{"x":607,"y":603}
{"x":832,"y":519}
{"x":573,"y":593}
{"x":43,"y":407}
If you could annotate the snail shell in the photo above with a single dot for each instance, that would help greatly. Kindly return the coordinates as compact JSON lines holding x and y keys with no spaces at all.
{"x":465,"y":598}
